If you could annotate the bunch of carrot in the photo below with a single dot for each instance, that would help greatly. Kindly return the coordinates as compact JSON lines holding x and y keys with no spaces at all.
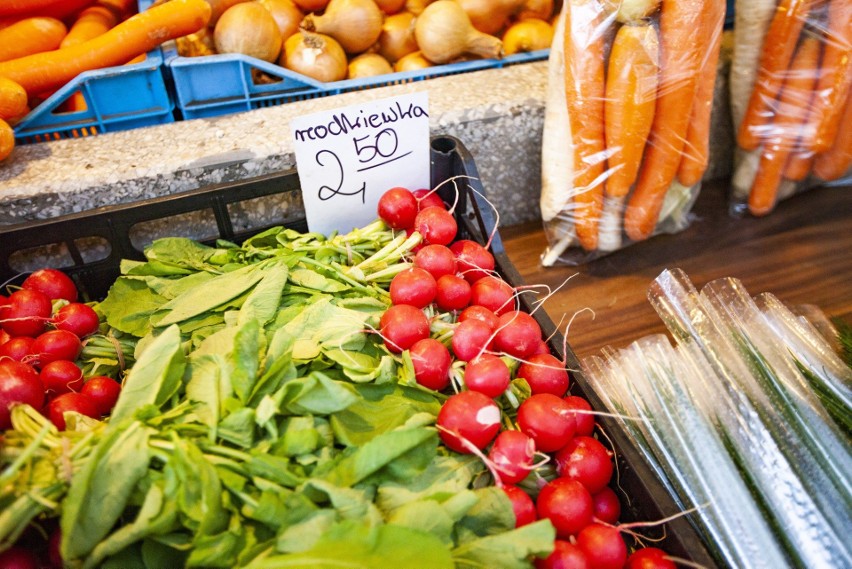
{"x":799,"y":115}
{"x":639,"y":79}
{"x":44,"y":44}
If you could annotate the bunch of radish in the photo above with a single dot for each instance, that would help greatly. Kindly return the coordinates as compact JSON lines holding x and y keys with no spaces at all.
{"x":490,"y":343}
{"x":42,"y":329}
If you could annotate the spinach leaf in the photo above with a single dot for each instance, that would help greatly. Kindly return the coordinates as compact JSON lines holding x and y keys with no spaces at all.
{"x":208,"y":386}
{"x":129,"y":305}
{"x":262,"y":303}
{"x":510,"y":550}
{"x":315,"y":393}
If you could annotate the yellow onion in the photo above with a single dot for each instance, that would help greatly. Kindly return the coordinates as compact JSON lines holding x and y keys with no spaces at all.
{"x":531,"y":34}
{"x":412,"y":62}
{"x":249,"y":29}
{"x":368,"y":65}
{"x":416,"y":7}
{"x":355,"y":24}
{"x":444,"y":33}
{"x":311,"y":5}
{"x":390,"y":6}
{"x":397,"y":37}
{"x":541,"y":9}
{"x":317,"y":56}
{"x":286,"y":14}
{"x":490,"y":16}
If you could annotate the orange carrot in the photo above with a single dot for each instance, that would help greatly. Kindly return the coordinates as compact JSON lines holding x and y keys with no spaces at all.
{"x":584,"y":94}
{"x":681,"y":22}
{"x":696,"y":152}
{"x":836,"y":78}
{"x":631,"y":96}
{"x":778,"y":48}
{"x":138,"y":34}
{"x":92,"y":22}
{"x":122,"y":8}
{"x":7,"y":139}
{"x":784,"y":131}
{"x":837,"y":160}
{"x":50,"y":8}
{"x":13,"y":99}
{"x":799,"y":165}
{"x":30,"y":35}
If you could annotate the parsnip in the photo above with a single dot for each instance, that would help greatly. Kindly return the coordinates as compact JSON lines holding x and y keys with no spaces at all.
{"x":752,"y":19}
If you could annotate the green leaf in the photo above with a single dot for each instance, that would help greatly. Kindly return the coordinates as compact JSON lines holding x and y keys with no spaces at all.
{"x":170,"y":288}
{"x":315,"y":394}
{"x":491,"y":515}
{"x":208,"y":386}
{"x":180,"y":251}
{"x":304,"y":535}
{"x":220,"y":550}
{"x":238,"y":428}
{"x":328,"y":325}
{"x":262,"y":303}
{"x":128,"y":558}
{"x":129,"y":305}
{"x":274,"y":468}
{"x":508,"y":550}
{"x":427,"y":516}
{"x":198,"y":489}
{"x":314,"y":280}
{"x":244,"y":358}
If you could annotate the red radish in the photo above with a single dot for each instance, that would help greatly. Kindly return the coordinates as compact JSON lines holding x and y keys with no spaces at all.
{"x":428,"y":198}
{"x":517,"y":334}
{"x":488,"y":375}
{"x":403,"y":325}
{"x":27,"y":313}
{"x":547,"y":420}
{"x":522,"y":504}
{"x":54,"y":284}
{"x":474,"y":261}
{"x":19,"y":383}
{"x":438,"y":260}
{"x":512,"y":453}
{"x":453,"y":293}
{"x":478,"y":312}
{"x":565,"y":555}
{"x":607,"y":506}
{"x":432,"y":362}
{"x":493,"y":293}
{"x":567,"y":504}
{"x":545,"y":374}
{"x":79,"y":318}
{"x":66,"y":402}
{"x":61,"y":376}
{"x":413,"y":286}
{"x":56,"y":345}
{"x":103,"y":391}
{"x":603,"y":545}
{"x":470,"y":339}
{"x":19,"y":349}
{"x":542,"y":348}
{"x":468,"y":418}
{"x":398,"y":208}
{"x":54,"y":555}
{"x":649,"y":558}
{"x":585,"y":419}
{"x":586,"y":460}
{"x":436,"y":225}
{"x":18,"y":558}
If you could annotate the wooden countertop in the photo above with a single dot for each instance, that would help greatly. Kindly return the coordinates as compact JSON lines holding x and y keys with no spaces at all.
{"x":802,"y":253}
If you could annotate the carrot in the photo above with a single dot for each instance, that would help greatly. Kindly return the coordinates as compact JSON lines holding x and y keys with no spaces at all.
{"x":584,"y":95}
{"x":92,"y":22}
{"x":30,"y":35}
{"x":836,"y":161}
{"x":13,"y":99}
{"x":60,"y":9}
{"x":138,"y":34}
{"x":799,"y":165}
{"x":681,"y":35}
{"x":7,"y":139}
{"x":696,"y":153}
{"x":836,"y":77}
{"x":778,"y":48}
{"x":784,"y":131}
{"x":631,"y":96}
{"x":122,"y":8}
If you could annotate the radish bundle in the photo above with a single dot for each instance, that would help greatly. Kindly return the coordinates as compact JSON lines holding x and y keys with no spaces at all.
{"x":626,"y":129}
{"x":790,"y":87}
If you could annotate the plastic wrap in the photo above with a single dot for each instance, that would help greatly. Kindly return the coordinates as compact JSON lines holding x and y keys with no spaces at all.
{"x":626,"y":128}
{"x":790,"y":83}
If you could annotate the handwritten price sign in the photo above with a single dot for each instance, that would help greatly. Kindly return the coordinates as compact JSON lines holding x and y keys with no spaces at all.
{"x":348,"y":157}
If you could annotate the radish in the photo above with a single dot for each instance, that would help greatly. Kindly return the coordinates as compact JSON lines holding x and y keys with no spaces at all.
{"x":488,"y":375}
{"x":56,"y":345}
{"x":79,"y":318}
{"x":436,"y":225}
{"x":584,"y":418}
{"x":493,"y":293}
{"x":54,"y":554}
{"x":512,"y":454}
{"x":603,"y":545}
{"x":542,"y":348}
{"x":607,"y":506}
{"x":438,"y":260}
{"x":522,"y":505}
{"x":61,"y":376}
{"x":103,"y":391}
{"x":403,"y":325}
{"x":432,"y":362}
{"x":54,"y":284}
{"x":544,"y":374}
{"x":19,"y":349}
{"x":567,"y":504}
{"x":27,"y":313}
{"x":66,"y":402}
{"x":428,"y":198}
{"x":413,"y":286}
{"x":517,"y":334}
{"x":547,"y":420}
{"x":18,"y":558}
{"x":649,"y":558}
{"x":453,"y":293}
{"x":470,"y":339}
{"x":398,"y":207}
{"x":477,"y":312}
{"x":474,"y":261}
{"x":468,"y":421}
{"x":565,"y":555}
{"x":19,"y":383}
{"x":586,"y":460}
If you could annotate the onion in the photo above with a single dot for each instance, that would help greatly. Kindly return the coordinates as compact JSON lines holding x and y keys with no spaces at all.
{"x":355,"y":24}
{"x":311,"y":5}
{"x":397,"y":37}
{"x":286,"y":14}
{"x":219,"y":7}
{"x":527,"y":35}
{"x":541,"y":9}
{"x":369,"y":65}
{"x":490,"y":16}
{"x":416,"y":7}
{"x":390,"y":6}
{"x":444,"y":33}
{"x":412,"y":62}
{"x":248,"y":29}
{"x":316,"y":55}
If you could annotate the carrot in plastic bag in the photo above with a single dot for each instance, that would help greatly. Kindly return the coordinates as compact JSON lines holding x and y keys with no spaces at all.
{"x":682,"y":25}
{"x":783,"y":132}
{"x":836,"y":78}
{"x":30,"y":35}
{"x":836,"y":161}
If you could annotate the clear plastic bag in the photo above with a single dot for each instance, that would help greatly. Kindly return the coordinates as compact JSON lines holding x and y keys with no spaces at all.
{"x":790,"y":85}
{"x":626,"y":128}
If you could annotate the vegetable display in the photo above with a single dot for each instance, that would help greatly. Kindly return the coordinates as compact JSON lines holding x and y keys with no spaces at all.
{"x":630,"y":90}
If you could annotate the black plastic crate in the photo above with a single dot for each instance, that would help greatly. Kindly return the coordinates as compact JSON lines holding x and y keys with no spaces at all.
{"x":648,"y":498}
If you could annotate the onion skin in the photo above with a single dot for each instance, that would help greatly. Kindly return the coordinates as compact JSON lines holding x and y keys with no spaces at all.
{"x":315,"y":55}
{"x":249,"y":29}
{"x":444,"y":33}
{"x":531,"y":34}
{"x":368,"y":65}
{"x":412,"y":62}
{"x":355,"y":24}
{"x":416,"y":7}
{"x":490,"y":16}
{"x":286,"y":14}
{"x":390,"y":6}
{"x":540,"y":9}
{"x":397,"y":37}
{"x":311,"y":5}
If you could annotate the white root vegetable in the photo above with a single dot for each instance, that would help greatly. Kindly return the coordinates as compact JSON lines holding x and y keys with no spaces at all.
{"x":752,"y":19}
{"x":632,"y":10}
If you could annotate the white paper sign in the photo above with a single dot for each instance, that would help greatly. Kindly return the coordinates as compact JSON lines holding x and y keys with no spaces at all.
{"x":348,"y":157}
